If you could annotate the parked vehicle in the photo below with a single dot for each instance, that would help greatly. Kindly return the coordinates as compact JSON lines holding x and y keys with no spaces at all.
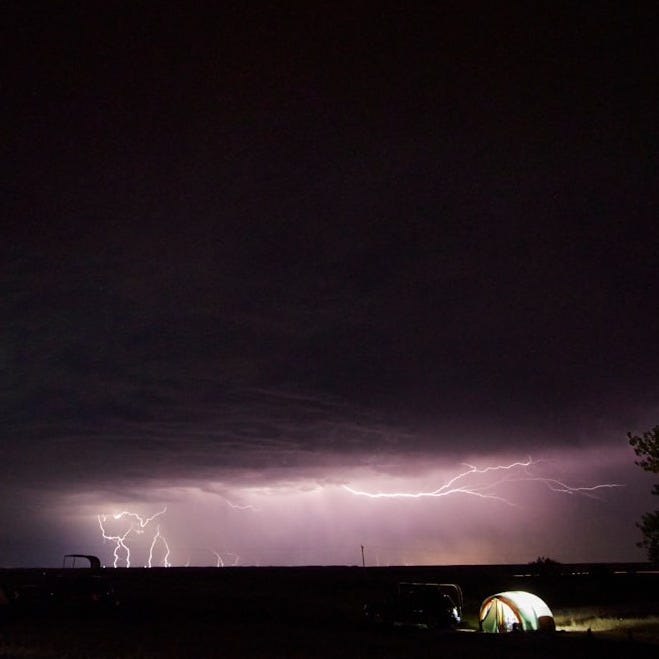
{"x":83,"y":592}
{"x":429,"y":605}
{"x":80,"y":588}
{"x":83,"y":561}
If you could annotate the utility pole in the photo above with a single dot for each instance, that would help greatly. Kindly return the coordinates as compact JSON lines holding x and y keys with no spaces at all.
{"x":363,"y":560}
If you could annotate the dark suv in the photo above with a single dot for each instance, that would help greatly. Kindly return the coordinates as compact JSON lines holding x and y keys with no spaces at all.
{"x":430,"y":605}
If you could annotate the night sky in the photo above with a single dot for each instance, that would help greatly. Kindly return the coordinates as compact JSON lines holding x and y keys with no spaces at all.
{"x":253,"y":255}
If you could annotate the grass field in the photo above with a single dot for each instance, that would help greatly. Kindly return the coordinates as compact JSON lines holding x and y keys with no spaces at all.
{"x":317,"y":612}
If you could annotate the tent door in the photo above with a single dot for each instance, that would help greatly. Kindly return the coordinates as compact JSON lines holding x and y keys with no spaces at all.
{"x":506,"y":617}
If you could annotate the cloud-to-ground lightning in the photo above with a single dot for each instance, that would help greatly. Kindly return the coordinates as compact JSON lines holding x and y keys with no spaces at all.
{"x":158,"y":550}
{"x":156,"y":537}
{"x":460,"y":484}
{"x":118,"y":539}
{"x":236,"y":558}
{"x":220,"y":560}
{"x":137,"y":526}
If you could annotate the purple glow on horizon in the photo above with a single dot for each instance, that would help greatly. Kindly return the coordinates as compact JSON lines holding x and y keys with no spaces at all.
{"x":308,"y":517}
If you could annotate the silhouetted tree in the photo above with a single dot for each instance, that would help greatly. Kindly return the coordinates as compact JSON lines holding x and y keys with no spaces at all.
{"x":545,"y":566}
{"x":646,"y":446}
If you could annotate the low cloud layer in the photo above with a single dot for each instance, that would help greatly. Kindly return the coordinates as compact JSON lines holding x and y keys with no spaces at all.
{"x":248,"y":261}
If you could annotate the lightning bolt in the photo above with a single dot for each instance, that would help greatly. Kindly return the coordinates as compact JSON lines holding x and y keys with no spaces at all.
{"x":237,"y":506}
{"x":143,"y":521}
{"x":137,"y":526}
{"x":156,"y":537}
{"x":459,"y":484}
{"x":236,"y":558}
{"x":557,"y":486}
{"x":118,"y":539}
{"x":220,"y":560}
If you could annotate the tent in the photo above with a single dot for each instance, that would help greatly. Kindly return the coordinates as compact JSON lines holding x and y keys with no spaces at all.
{"x":515,"y":610}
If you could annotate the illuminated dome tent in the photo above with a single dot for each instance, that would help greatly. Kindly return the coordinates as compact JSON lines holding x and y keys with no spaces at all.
{"x":515,"y":610}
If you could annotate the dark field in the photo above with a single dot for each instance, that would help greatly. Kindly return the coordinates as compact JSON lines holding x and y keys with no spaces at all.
{"x":317,"y":612}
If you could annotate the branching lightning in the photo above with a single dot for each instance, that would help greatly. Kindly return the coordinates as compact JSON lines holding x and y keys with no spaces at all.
{"x":137,"y":526}
{"x":237,"y":506}
{"x":460,"y":484}
{"x":159,"y":545}
{"x":119,"y":540}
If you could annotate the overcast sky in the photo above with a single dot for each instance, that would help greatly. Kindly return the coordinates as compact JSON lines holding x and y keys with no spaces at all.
{"x":253,"y":256}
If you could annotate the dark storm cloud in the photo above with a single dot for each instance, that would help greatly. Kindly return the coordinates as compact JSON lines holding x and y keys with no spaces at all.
{"x":106,"y":380}
{"x":276,"y":239}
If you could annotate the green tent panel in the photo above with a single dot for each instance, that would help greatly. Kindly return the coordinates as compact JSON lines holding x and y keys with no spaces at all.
{"x":515,"y":610}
